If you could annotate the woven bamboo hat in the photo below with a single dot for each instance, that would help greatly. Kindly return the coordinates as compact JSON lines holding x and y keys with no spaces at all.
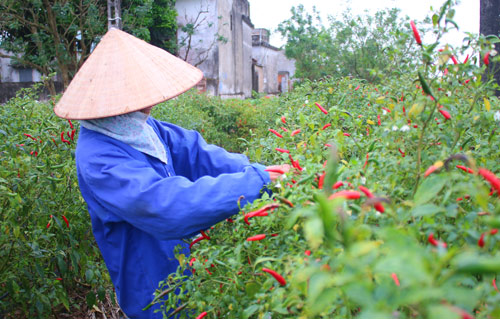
{"x":122,"y":75}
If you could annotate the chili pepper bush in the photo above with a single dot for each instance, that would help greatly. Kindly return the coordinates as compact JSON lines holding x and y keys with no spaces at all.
{"x":49,"y":262}
{"x":391,"y":209}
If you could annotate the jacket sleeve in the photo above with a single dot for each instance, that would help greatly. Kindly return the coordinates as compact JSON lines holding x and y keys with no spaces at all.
{"x":193,"y":158}
{"x":172,"y":207}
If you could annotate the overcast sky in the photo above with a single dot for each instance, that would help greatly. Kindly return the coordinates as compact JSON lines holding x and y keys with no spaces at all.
{"x":269,"y":13}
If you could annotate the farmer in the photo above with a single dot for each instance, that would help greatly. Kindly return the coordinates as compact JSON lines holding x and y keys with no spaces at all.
{"x":147,"y":184}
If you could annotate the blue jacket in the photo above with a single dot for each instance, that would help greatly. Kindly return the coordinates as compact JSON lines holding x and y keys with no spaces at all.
{"x":141,"y":208}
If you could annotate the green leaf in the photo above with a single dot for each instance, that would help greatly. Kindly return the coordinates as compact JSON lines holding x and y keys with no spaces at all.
{"x":250,"y":311}
{"x":429,"y":189}
{"x":426,"y":210}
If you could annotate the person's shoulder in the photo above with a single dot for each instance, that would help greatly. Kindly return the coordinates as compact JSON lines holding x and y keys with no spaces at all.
{"x":93,"y":144}
{"x":169,"y":128}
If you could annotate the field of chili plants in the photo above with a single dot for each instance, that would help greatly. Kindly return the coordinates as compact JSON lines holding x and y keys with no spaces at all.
{"x":50,"y":265}
{"x":391,"y":210}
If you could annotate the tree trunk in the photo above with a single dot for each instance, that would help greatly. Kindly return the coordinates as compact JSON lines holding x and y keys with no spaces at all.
{"x":490,"y":25}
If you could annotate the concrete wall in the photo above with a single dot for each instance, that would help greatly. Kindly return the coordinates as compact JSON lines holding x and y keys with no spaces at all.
{"x":235,"y":63}
{"x":11,"y":74}
{"x":274,"y":62}
{"x":203,"y":51}
{"x":268,"y":58}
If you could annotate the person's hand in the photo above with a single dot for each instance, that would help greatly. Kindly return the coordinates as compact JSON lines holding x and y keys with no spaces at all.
{"x":275,"y":171}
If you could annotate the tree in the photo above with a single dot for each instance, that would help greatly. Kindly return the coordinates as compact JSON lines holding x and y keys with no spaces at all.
{"x":490,"y":25}
{"x":56,"y":36}
{"x":51,"y":35}
{"x":366,"y":47}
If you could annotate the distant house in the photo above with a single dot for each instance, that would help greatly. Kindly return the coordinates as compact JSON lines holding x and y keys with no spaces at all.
{"x":235,"y":57}
{"x":273,"y":71}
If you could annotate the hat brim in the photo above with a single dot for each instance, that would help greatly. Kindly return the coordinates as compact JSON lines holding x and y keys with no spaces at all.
{"x":122,"y":75}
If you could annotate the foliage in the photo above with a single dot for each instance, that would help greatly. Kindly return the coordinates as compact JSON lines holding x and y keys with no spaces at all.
{"x":154,"y":21}
{"x":46,"y":265}
{"x":365,"y":47}
{"x":58,"y":269}
{"x":431,"y":253}
{"x":51,"y":36}
{"x":231,"y":123}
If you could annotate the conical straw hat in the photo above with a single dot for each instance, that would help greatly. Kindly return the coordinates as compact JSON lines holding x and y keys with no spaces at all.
{"x":122,"y":75}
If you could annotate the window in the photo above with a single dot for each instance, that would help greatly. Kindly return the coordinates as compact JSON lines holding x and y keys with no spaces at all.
{"x":25,"y":75}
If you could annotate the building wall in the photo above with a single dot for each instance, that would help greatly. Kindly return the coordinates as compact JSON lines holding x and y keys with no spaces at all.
{"x":11,"y":74}
{"x":204,"y":50}
{"x":268,"y":58}
{"x":234,"y":56}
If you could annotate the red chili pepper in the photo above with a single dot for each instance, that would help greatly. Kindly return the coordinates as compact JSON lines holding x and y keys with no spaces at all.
{"x":203,"y":314}
{"x":491,"y":178}
{"x":307,"y":252}
{"x":59,"y":278}
{"x":466,"y":59}
{"x":28,"y":135}
{"x":53,"y":140}
{"x":282,"y":150}
{"x":366,"y":162}
{"x":284,"y":129}
{"x":367,"y":131}
{"x":204,"y":235}
{"x":386,"y":109}
{"x":494,"y":231}
{"x":276,"y":276}
{"x":230,"y":220}
{"x":378,"y":206}
{"x":378,"y":120}
{"x":454,"y":60}
{"x":480,"y":242}
{"x":327,"y":125}
{"x":465,"y":169}
{"x":430,"y":170}
{"x":445,"y":114}
{"x":275,"y":170}
{"x":347,"y":134}
{"x":347,"y":194}
{"x":415,"y":32}
{"x":275,"y":133}
{"x":494,"y":282}
{"x":357,"y":88}
{"x":72,"y":134}
{"x":34,"y":153}
{"x":295,"y":132}
{"x":395,"y":278}
{"x":65,"y":220}
{"x":402,"y":153}
{"x":295,"y":164}
{"x":195,"y":241}
{"x":260,"y":212}
{"x":328,"y":145}
{"x":256,"y":237}
{"x":283,"y":119}
{"x":338,"y":185}
{"x":285,"y":201}
{"x":321,"y":181}
{"x":434,"y":242}
{"x":70,"y":124}
{"x":322,"y":109}
{"x":486,"y":58}
{"x":64,"y":140}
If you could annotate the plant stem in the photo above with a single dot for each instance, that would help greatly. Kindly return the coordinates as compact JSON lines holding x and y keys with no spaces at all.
{"x":419,"y":147}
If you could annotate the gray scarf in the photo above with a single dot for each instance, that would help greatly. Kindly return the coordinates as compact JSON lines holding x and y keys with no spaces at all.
{"x":132,"y":129}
